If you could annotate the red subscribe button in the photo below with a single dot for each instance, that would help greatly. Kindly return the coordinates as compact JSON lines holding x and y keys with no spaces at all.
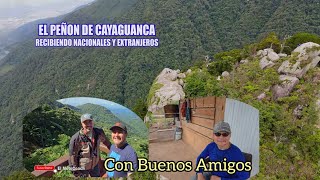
{"x":43,"y":168}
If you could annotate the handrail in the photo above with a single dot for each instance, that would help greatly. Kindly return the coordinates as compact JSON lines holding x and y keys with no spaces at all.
{"x":62,"y":161}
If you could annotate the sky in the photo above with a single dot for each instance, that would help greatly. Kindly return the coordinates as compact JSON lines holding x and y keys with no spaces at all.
{"x":77,"y":101}
{"x":118,"y":110}
{"x":14,"y":13}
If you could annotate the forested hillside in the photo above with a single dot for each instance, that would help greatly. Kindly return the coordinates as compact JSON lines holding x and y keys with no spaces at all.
{"x":187,"y":31}
{"x":289,"y":109}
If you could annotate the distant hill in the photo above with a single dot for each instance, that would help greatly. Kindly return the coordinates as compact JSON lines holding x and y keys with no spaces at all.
{"x":108,"y":118}
{"x":23,"y":33}
{"x":100,"y":113}
{"x":27,"y":31}
{"x":187,"y":30}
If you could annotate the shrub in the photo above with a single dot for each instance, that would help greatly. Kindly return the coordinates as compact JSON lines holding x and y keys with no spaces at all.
{"x":201,"y":83}
{"x":300,"y":38}
{"x":224,"y":64}
{"x":270,"y":41}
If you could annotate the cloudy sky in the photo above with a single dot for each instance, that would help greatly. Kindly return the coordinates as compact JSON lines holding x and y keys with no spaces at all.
{"x":14,"y":13}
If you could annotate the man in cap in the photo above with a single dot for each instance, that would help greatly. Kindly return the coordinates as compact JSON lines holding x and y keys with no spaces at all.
{"x":218,"y":150}
{"x":84,"y":149}
{"x":121,"y":151}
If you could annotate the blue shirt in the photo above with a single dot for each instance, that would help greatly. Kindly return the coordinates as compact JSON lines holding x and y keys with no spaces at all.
{"x":126,"y":153}
{"x":233,"y":153}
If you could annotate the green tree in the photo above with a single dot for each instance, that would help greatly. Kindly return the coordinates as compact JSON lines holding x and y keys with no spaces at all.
{"x":270,"y":41}
{"x":300,"y":38}
{"x":140,"y":108}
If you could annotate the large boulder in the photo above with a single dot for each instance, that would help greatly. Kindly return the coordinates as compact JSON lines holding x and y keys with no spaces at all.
{"x":306,"y":68}
{"x":295,"y":69}
{"x":306,"y":56}
{"x":273,"y":56}
{"x":264,"y":52}
{"x":167,"y":75}
{"x":287,"y":68}
{"x":166,"y":89}
{"x":181,"y":75}
{"x":269,"y":53}
{"x":264,"y":63}
{"x":305,"y":52}
{"x":285,"y":88}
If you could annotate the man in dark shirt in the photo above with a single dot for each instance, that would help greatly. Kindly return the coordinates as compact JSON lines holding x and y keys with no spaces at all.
{"x":84,"y":149}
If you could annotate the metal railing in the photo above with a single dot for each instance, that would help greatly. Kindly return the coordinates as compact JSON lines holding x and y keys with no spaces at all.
{"x":63,"y":161}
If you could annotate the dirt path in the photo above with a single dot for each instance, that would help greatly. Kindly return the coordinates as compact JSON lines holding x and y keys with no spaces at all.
{"x":173,"y":151}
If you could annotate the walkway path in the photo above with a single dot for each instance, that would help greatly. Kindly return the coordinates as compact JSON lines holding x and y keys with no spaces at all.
{"x":173,"y":151}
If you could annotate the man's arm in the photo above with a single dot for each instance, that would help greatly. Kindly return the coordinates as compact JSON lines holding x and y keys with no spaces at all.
{"x":132,"y":157}
{"x":105,"y":140}
{"x":73,"y":160}
{"x":73,"y":155}
{"x":203,"y":154}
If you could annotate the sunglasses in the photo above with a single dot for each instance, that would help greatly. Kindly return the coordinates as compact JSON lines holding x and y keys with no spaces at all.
{"x":223,"y":134}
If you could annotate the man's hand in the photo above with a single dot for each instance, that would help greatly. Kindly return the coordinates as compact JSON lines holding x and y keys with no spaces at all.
{"x":213,"y":177}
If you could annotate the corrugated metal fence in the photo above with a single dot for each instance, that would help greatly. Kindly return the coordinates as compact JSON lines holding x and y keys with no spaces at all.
{"x":244,"y":122}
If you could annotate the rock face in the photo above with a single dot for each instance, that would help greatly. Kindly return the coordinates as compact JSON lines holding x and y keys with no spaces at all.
{"x":293,"y":70}
{"x":284,"y":89}
{"x":305,"y":55}
{"x":303,"y":50}
{"x":273,"y":56}
{"x":170,"y":83}
{"x":265,"y":63}
{"x":268,"y":57}
{"x":261,"y":96}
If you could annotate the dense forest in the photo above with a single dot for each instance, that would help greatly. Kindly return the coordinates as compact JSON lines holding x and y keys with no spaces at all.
{"x":187,"y":30}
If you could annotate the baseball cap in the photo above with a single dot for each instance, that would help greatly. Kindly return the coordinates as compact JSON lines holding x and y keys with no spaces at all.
{"x":119,"y":125}
{"x":86,"y":117}
{"x":222,"y":126}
